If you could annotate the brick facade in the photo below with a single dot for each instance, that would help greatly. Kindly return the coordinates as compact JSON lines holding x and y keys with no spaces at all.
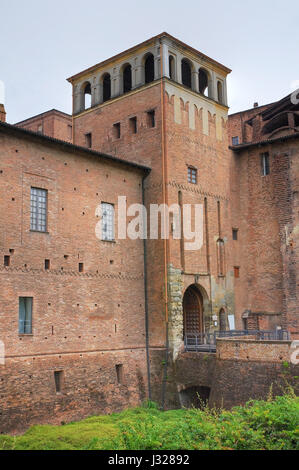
{"x":109,"y":326}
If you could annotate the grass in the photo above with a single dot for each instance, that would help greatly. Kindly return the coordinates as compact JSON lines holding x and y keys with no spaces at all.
{"x":271,"y":424}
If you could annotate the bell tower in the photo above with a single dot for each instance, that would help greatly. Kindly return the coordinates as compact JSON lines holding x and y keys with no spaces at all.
{"x":164,"y":104}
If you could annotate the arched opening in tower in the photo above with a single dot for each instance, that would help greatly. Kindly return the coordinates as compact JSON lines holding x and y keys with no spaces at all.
{"x":127,"y":78}
{"x":87,"y":96}
{"x":106,"y":87}
{"x":203,"y":82}
{"x":171,"y":67}
{"x":186,"y":73}
{"x":149,"y":69}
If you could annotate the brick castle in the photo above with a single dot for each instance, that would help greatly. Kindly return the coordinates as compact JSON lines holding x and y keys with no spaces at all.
{"x":93,"y":324}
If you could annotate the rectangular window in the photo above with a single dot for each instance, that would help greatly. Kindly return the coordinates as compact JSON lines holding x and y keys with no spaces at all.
{"x":47,"y":264}
{"x":119,"y":373}
{"x":235,"y":140}
{"x":107,"y":221}
{"x":25,"y":315}
{"x":192,"y":175}
{"x":88,"y":140}
{"x":6,"y":260}
{"x":58,"y":378}
{"x":236,"y":271}
{"x":151,"y":122}
{"x":81,"y":267}
{"x":116,"y":130}
{"x":235,"y":234}
{"x":38,"y":215}
{"x":133,"y":125}
{"x":265,"y":164}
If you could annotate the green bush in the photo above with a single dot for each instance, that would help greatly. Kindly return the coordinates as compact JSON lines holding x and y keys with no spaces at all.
{"x":271,"y":424}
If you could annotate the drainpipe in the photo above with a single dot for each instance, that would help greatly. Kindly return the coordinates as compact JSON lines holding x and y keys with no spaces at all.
{"x":146,"y":297}
{"x":166,"y":245}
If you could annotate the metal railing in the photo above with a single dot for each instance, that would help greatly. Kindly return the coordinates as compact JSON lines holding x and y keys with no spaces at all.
{"x":206,"y":342}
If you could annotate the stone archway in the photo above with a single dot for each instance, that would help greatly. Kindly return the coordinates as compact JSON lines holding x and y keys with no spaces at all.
{"x":193,"y":311}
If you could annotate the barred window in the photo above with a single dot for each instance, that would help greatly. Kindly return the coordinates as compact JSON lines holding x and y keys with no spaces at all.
{"x":38,"y":216}
{"x":107,"y":221}
{"x":192,"y":175}
{"x":25,"y":315}
{"x":235,"y":140}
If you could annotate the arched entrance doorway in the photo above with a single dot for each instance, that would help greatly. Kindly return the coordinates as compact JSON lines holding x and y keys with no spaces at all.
{"x":193,"y":311}
{"x":222,"y":320}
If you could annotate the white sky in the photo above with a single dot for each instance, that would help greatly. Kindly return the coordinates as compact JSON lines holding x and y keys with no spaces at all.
{"x":43,"y":42}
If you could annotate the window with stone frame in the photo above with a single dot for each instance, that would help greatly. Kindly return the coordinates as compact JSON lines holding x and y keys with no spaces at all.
{"x":38,"y":209}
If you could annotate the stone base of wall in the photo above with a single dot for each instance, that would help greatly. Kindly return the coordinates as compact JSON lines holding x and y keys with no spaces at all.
{"x":233,"y":381}
{"x":90,"y":387}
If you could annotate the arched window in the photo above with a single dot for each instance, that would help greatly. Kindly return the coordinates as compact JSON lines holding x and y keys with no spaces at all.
{"x":203,"y":82}
{"x":149,"y":68}
{"x":219,"y":92}
{"x":127,"y":78}
{"x":171,"y":67}
{"x":186,"y":73}
{"x":87,"y":95}
{"x":106,"y":87}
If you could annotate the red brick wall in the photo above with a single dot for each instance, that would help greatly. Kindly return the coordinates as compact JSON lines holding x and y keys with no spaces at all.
{"x":265,"y":210}
{"x":97,"y":313}
{"x":53,"y":124}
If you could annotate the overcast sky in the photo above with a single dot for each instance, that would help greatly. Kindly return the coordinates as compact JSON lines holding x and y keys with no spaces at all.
{"x":43,"y":42}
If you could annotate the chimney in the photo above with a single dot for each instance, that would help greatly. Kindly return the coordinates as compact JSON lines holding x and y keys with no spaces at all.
{"x":255,"y":105}
{"x":2,"y":113}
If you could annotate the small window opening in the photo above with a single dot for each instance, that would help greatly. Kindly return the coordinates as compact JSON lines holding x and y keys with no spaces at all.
{"x":235,"y":233}
{"x":133,"y":125}
{"x":119,"y":373}
{"x":6,"y":260}
{"x":151,"y":118}
{"x":47,"y":264}
{"x":192,"y":175}
{"x":88,"y":140}
{"x":81,"y":267}
{"x":58,"y":378}
{"x":236,"y":271}
{"x":235,"y":140}
{"x":116,"y":130}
